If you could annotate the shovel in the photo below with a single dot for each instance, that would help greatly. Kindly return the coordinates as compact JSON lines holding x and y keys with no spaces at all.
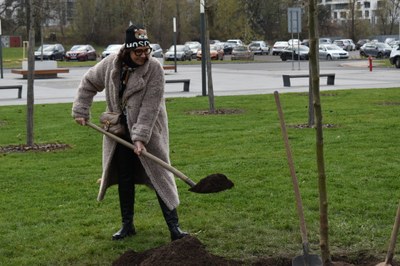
{"x":210,"y":184}
{"x":306,"y":259}
{"x":393,"y":237}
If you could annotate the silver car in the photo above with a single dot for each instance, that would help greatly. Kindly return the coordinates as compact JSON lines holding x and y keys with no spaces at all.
{"x":183,"y":53}
{"x":332,"y":52}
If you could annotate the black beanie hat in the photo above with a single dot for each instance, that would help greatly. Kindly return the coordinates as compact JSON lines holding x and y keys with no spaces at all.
{"x":136,"y":37}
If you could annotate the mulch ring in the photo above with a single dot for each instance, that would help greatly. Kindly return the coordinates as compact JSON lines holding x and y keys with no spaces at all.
{"x":189,"y":251}
{"x":43,"y":147}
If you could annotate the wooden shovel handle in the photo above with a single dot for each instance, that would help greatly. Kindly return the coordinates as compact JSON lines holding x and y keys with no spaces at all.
{"x":393,"y":237}
{"x":299,"y":203}
{"x":145,"y":153}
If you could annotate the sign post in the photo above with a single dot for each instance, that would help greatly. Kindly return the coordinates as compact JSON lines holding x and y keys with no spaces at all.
{"x":1,"y":52}
{"x":294,"y":26}
{"x":174,"y":29}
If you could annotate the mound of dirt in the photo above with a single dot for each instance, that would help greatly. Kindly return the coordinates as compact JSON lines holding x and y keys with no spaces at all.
{"x":189,"y":251}
{"x":43,"y":147}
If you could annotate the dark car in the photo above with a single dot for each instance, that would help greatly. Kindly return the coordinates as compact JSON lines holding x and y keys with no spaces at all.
{"x":81,"y":52}
{"x":228,"y":47}
{"x":50,"y":52}
{"x":360,"y":43}
{"x":376,"y":49}
{"x":296,"y":52}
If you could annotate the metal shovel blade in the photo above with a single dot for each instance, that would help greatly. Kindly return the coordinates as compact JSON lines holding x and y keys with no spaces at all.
{"x":307,"y":260}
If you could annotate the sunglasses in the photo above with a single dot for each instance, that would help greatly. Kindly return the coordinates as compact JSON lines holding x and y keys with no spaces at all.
{"x":139,"y":52}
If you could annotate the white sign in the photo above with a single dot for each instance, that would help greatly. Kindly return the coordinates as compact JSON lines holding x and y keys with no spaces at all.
{"x":294,"y":20}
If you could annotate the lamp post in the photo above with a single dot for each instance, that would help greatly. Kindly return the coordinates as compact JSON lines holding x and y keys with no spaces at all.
{"x":1,"y":52}
{"x":203,"y":49}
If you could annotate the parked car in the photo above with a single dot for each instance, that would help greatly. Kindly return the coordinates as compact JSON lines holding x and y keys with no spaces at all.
{"x":325,"y":41}
{"x":236,"y":42}
{"x":50,"y":52}
{"x":296,"y":52}
{"x":81,"y":52}
{"x":242,"y":52}
{"x":194,"y":46}
{"x":111,"y":49}
{"x":216,"y":52}
{"x":345,"y":44}
{"x":156,"y":50}
{"x":332,"y":52}
{"x":278,"y":47}
{"x":294,"y":42}
{"x":376,"y":49}
{"x":360,"y":43}
{"x":183,"y":53}
{"x":259,"y":47}
{"x":395,"y":56}
{"x":228,"y":47}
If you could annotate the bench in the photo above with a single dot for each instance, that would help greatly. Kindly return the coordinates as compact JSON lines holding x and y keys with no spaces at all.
{"x":286,"y":78}
{"x":17,"y":87}
{"x":41,"y":74}
{"x":186,"y":83}
{"x":169,"y":67}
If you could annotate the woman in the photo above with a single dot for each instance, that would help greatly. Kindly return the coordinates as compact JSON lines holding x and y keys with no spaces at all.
{"x":134,"y":86}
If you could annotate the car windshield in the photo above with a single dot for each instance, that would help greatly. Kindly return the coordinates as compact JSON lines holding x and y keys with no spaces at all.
{"x":113,"y":47}
{"x":79,"y":48}
{"x":179,"y":48}
{"x":332,"y":47}
{"x":255,"y":45}
{"x":47,"y":48}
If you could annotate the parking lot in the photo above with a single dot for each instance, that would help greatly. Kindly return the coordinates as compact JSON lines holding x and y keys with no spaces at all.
{"x":262,"y":76}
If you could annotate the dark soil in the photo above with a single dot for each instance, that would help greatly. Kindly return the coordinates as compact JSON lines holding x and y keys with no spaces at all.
{"x":44,"y":147}
{"x":189,"y":251}
{"x":212,"y":184}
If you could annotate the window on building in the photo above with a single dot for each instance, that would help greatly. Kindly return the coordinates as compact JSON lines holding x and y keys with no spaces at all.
{"x":367,"y":4}
{"x":343,"y":14}
{"x":366,"y":14}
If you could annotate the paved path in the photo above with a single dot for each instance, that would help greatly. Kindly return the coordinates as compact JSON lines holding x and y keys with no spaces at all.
{"x":228,"y":79}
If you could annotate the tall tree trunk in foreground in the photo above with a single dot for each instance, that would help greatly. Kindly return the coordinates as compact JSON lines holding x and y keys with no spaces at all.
{"x":314,"y":70}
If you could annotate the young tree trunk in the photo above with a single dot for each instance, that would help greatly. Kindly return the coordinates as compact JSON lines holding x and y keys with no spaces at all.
{"x":31,"y":69}
{"x":208,"y":63}
{"x":314,"y":70}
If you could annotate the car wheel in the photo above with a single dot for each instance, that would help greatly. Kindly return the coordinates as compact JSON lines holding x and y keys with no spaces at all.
{"x":379,"y":55}
{"x":328,"y":57}
{"x":397,"y":62}
{"x":283,"y":57}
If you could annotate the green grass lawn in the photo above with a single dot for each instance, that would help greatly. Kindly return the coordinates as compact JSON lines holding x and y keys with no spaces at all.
{"x":50,"y":216}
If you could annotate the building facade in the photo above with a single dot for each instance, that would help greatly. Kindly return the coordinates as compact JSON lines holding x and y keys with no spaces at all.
{"x":341,"y":9}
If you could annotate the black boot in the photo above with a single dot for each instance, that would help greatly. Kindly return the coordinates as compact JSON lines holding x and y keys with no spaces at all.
{"x":171,"y":218}
{"x":126,"y":191}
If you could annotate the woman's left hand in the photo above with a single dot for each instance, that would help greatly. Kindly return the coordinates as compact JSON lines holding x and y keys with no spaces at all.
{"x":139,"y":147}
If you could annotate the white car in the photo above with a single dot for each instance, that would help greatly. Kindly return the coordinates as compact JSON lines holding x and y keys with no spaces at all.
{"x":395,"y":56}
{"x":278,"y":47}
{"x":332,"y":52}
{"x":111,"y":49}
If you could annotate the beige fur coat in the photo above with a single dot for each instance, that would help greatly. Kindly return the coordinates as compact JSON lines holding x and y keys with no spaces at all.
{"x":146,"y":118}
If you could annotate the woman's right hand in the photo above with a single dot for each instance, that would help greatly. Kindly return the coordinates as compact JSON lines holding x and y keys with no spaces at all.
{"x":80,"y":120}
